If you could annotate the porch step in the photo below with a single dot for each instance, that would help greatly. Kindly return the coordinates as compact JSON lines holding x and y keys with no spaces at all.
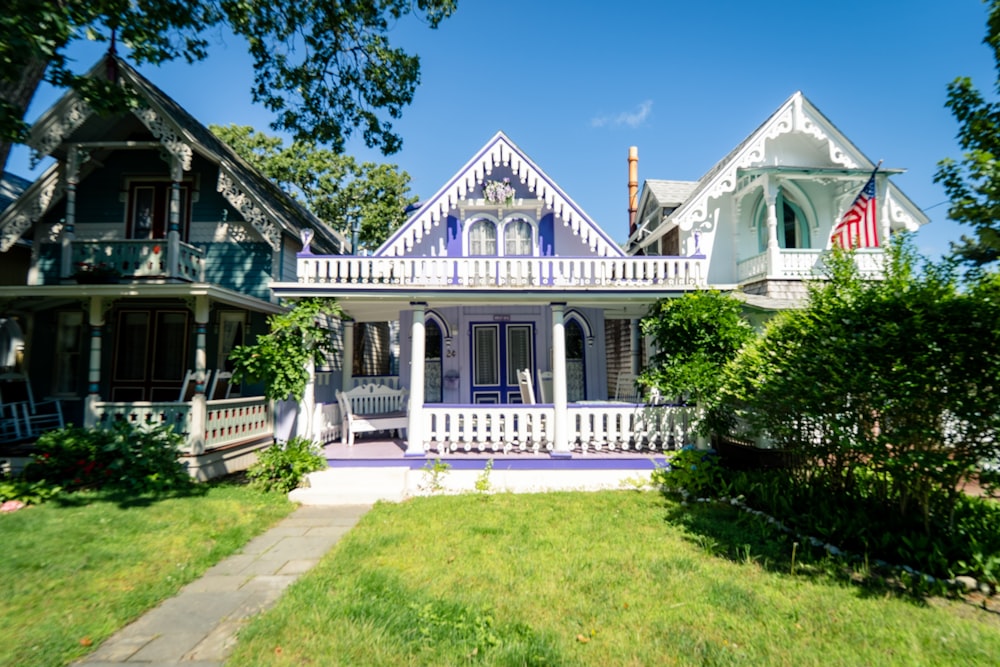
{"x":365,"y":485}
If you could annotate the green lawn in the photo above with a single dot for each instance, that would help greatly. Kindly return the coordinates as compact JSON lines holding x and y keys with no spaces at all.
{"x":72,"y":574}
{"x":611,"y":578}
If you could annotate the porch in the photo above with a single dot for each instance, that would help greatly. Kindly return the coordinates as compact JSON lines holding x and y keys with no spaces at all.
{"x":803,"y":264}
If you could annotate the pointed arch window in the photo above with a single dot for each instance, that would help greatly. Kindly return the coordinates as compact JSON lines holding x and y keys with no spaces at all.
{"x":793,"y":228}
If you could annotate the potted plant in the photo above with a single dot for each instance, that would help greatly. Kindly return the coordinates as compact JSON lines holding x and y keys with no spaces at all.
{"x":89,"y":273}
{"x":498,"y":192}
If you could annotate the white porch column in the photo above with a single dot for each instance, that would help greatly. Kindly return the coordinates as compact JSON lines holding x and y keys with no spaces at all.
{"x":199,"y":407}
{"x":174,"y":223}
{"x":415,"y":430}
{"x":773,"y":250}
{"x":560,"y":435}
{"x":347,"y":374}
{"x":96,"y":321}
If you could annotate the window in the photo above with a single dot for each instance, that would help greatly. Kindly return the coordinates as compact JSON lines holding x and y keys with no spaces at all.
{"x":517,"y":238}
{"x":482,"y":238}
{"x":149,"y":209}
{"x":793,"y":228}
{"x":69,"y":337}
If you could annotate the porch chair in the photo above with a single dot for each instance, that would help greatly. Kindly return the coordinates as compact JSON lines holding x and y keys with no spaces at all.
{"x":189,"y":385}
{"x":626,"y":389}
{"x":545,"y":386}
{"x":21,"y":416}
{"x":221,"y":385}
{"x":527,"y":387}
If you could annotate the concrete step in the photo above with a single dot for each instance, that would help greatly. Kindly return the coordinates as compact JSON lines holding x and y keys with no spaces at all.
{"x":350,"y":486}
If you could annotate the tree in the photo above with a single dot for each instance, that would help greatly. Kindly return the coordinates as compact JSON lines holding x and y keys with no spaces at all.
{"x":324,"y":68}
{"x":973,"y":183}
{"x":886,"y":389}
{"x":280,"y":358}
{"x":334,"y":187}
{"x":695,"y":336}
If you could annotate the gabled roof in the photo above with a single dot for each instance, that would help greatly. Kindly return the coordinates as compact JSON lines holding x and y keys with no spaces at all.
{"x":670,"y":193}
{"x":11,"y":187}
{"x":269,"y":209}
{"x":796,"y":115}
{"x":498,"y":151}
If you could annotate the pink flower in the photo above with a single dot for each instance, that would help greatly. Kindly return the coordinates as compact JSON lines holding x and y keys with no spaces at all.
{"x":12,"y":506}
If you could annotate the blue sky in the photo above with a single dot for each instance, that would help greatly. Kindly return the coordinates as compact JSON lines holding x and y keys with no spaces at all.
{"x":575,"y":83}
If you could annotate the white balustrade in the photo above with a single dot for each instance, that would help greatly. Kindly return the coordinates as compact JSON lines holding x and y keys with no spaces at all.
{"x":514,"y":272}
{"x":608,"y":427}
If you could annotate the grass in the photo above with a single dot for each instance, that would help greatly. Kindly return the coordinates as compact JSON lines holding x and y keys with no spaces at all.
{"x":611,"y":578}
{"x":73,"y":573}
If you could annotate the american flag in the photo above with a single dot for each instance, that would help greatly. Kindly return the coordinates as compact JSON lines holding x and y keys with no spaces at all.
{"x":857,"y":228}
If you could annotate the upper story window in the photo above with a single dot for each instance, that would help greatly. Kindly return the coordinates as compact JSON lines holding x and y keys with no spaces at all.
{"x":793,"y":228}
{"x":149,"y":209}
{"x":482,"y":238}
{"x":517,"y":235}
{"x":517,"y":238}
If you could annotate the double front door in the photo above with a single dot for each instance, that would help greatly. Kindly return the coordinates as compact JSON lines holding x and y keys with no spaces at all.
{"x":499,"y":351}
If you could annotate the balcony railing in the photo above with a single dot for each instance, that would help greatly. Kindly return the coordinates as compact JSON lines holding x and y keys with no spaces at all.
{"x":504,"y":272}
{"x":804,"y":265}
{"x":139,"y":259}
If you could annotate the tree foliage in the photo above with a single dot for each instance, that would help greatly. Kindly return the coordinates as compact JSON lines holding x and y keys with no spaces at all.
{"x":334,"y":187}
{"x":281,"y":358}
{"x":326,"y":69}
{"x":694,"y":337}
{"x":888,"y":387}
{"x":973,"y":183}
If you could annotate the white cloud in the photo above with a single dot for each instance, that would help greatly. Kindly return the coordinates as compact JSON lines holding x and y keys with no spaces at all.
{"x":628,"y":118}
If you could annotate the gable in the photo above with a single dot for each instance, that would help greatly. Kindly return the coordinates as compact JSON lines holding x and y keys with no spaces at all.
{"x":533,"y":191}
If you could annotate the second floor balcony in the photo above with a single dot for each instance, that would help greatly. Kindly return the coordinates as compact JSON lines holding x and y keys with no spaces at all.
{"x":96,"y":261}
{"x":544,"y":273}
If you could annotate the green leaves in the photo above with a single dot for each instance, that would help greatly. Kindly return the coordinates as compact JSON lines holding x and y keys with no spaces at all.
{"x":334,"y":187}
{"x":695,"y":335}
{"x":281,"y":358}
{"x":973,"y":183}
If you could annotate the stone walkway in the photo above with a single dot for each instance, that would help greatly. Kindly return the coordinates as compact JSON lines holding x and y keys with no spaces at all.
{"x":198,"y":626}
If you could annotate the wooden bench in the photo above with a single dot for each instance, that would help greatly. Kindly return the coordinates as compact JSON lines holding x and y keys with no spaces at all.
{"x":371,"y":407}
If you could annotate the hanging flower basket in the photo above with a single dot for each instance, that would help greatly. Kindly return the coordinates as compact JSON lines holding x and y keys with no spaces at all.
{"x":499,"y":192}
{"x":88,"y":273}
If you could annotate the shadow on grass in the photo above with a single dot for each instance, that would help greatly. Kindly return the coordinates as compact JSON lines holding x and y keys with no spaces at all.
{"x":725,"y":531}
{"x":126,"y":499}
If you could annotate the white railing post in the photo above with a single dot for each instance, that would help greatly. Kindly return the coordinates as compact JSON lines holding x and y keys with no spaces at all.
{"x":560,"y":438}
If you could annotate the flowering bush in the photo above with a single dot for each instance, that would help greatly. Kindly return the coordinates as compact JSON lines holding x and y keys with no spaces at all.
{"x":498,"y":192}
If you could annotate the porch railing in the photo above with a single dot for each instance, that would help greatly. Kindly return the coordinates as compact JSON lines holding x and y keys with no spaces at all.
{"x":227,"y":421}
{"x":513,"y":272}
{"x":139,"y":259}
{"x":611,"y":427}
{"x":795,"y":264}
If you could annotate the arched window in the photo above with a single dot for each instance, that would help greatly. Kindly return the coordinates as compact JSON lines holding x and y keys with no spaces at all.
{"x":433,"y":352}
{"x":517,"y":238}
{"x":793,"y":228}
{"x":576,"y":381}
{"x":482,"y":238}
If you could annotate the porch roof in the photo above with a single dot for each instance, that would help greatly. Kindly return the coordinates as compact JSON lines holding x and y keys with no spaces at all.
{"x":33,"y":297}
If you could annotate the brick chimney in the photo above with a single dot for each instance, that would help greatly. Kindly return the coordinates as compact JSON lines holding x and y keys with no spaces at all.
{"x":633,"y":187}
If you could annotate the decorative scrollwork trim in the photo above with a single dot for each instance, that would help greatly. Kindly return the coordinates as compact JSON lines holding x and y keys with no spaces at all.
{"x":249,"y":209}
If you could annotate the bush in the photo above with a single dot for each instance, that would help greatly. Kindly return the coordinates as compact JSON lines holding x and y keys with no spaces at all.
{"x":695,"y":471}
{"x":133,"y":459}
{"x":282,"y":467}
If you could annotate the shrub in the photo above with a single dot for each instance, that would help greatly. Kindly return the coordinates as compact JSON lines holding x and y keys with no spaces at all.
{"x":695,"y":471}
{"x":133,"y":459}
{"x":282,"y":466}
{"x":29,"y":493}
